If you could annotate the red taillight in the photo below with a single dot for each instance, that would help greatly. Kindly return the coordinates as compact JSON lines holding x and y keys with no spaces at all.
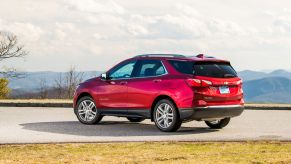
{"x":198,"y":83}
{"x":239,"y":82}
{"x":205,"y":83}
{"x":193,"y":82}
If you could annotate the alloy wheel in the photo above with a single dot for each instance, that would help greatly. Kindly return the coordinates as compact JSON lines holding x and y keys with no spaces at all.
{"x":164,"y":115}
{"x":87,"y":110}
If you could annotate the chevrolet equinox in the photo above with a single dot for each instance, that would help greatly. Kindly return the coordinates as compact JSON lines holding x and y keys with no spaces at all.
{"x":168,"y":89}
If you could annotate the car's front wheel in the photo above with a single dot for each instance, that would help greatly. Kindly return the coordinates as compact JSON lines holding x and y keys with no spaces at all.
{"x":218,"y":124}
{"x":87,"y":112}
{"x":166,"y":116}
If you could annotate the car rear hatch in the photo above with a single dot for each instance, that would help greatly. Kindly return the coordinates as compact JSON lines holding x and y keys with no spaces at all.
{"x":215,"y":83}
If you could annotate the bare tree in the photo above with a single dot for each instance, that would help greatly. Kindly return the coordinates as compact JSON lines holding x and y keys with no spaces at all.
{"x":66,"y":83}
{"x":59,"y":86}
{"x":43,"y":88}
{"x":72,"y":79}
{"x":10,"y":48}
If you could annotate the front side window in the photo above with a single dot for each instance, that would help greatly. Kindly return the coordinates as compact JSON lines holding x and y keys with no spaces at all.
{"x":147,"y":68}
{"x":122,"y":71}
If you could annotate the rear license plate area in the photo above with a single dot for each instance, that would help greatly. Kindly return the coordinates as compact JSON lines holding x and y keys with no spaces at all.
{"x":224,"y":90}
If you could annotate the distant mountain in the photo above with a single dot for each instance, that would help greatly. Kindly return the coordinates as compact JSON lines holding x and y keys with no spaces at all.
{"x":281,"y":73}
{"x":32,"y":80}
{"x":273,"y":87}
{"x":253,"y":75}
{"x":269,"y":90}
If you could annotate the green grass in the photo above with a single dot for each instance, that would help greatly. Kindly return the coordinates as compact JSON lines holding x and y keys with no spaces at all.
{"x":149,"y":152}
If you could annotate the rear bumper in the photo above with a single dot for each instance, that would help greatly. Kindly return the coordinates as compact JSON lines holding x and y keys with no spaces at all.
{"x":211,"y":112}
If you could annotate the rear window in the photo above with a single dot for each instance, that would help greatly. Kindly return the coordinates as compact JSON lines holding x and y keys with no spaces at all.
{"x":208,"y":69}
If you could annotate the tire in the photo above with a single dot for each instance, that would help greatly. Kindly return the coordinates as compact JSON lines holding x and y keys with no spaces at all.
{"x":218,"y":124}
{"x":135,"y":119}
{"x":165,"y":111}
{"x":86,"y":111}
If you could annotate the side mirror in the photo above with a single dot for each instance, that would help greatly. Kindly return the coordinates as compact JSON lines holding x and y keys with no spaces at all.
{"x":104,"y":76}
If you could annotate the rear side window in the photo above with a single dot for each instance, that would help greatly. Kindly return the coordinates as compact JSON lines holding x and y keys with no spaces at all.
{"x":208,"y":69}
{"x":146,"y":68}
{"x":185,"y":67}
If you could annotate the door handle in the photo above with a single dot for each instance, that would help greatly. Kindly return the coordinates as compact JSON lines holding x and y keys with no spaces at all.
{"x":157,"y":80}
{"x":123,"y":82}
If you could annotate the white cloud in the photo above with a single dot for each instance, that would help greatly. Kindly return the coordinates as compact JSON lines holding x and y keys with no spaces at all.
{"x":137,"y":30}
{"x":99,"y":36}
{"x":186,"y":9}
{"x":180,"y":26}
{"x":26,"y":31}
{"x":165,"y":26}
{"x":95,"y":6}
{"x":184,"y":22}
{"x":283,"y":24}
{"x":95,"y":31}
{"x":228,"y":28}
{"x":65,"y":30}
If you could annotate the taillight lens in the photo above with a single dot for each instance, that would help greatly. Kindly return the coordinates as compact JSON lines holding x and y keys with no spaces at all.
{"x":198,"y":83}
{"x":205,"y":83}
{"x":239,"y":82}
{"x":194,"y":82}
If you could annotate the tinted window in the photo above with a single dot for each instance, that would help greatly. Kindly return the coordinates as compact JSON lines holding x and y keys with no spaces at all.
{"x":185,"y":67}
{"x":122,"y":71}
{"x":146,"y":68}
{"x":214,"y":69}
{"x":208,"y":69}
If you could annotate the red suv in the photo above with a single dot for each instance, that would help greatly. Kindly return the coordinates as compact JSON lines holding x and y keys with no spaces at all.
{"x":168,"y":89}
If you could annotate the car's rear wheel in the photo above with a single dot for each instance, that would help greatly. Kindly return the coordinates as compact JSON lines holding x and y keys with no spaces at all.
{"x":87,"y":112}
{"x":135,"y":119}
{"x":166,"y":116}
{"x":218,"y":124}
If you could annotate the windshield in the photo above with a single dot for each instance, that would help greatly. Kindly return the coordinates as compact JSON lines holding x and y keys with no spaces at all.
{"x":207,"y":69}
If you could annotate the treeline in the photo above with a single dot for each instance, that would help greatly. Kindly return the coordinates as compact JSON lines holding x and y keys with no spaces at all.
{"x":63,"y":88}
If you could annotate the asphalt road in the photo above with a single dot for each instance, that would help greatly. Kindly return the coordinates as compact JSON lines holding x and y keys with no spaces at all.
{"x":46,"y":125}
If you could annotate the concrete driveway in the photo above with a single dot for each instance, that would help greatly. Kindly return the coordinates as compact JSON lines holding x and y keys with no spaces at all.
{"x":46,"y":125}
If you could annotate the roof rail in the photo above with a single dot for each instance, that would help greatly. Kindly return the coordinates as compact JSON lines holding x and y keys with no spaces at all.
{"x":160,"y":55}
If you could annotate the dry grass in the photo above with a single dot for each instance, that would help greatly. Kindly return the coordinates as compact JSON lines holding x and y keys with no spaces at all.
{"x":36,"y":101}
{"x":267,"y":105}
{"x":148,"y":152}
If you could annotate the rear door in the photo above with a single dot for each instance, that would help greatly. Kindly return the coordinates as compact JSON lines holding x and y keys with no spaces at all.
{"x":146,"y":83}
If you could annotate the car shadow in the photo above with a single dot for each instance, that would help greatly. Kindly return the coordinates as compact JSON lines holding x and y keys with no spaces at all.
{"x":108,"y":128}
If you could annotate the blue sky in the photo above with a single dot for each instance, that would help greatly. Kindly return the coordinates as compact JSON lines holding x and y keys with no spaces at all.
{"x":96,"y":34}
